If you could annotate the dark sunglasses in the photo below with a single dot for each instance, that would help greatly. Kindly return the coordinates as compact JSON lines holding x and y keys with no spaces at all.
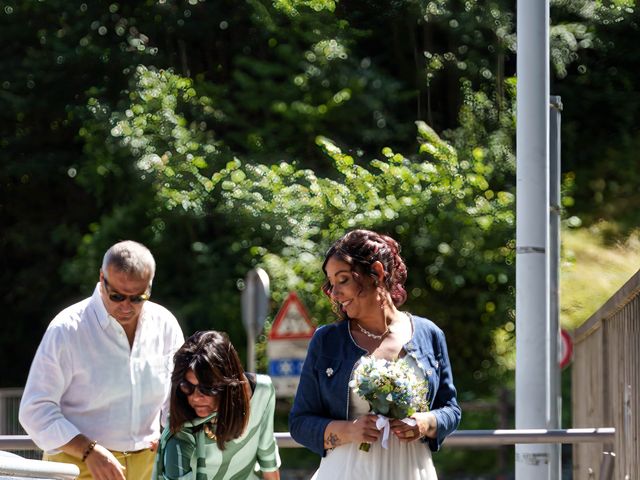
{"x":188,"y":388}
{"x":119,"y":297}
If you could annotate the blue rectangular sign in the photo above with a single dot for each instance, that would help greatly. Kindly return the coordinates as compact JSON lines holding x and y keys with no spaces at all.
{"x":285,"y":367}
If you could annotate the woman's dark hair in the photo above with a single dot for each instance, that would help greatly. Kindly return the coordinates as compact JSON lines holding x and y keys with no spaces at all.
{"x":361,"y":249}
{"x":215,"y":363}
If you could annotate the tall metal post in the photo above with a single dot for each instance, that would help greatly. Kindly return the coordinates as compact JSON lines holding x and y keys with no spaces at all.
{"x":249,"y":309}
{"x":555,"y":407}
{"x":532,"y":236}
{"x":255,"y":305}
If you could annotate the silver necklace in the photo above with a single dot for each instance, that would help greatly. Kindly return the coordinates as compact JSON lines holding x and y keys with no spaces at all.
{"x":373,"y":335}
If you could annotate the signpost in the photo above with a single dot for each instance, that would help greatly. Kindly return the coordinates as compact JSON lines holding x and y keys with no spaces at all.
{"x":565,"y":350}
{"x":287,"y":345}
{"x":255,"y":306}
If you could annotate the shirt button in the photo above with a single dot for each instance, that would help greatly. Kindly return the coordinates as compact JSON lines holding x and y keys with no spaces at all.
{"x":410,"y":345}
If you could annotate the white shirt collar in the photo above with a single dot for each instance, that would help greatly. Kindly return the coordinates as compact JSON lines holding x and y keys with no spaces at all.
{"x":103,"y":317}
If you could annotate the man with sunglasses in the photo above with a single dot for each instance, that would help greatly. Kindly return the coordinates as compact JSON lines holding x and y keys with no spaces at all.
{"x":102,"y":373}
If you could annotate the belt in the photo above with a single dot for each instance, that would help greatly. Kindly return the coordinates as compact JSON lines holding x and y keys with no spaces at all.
{"x":129,"y":452}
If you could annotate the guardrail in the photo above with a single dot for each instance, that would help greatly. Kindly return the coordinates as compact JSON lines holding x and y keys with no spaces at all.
{"x":493,"y":438}
{"x":19,"y":467}
{"x":460,"y":438}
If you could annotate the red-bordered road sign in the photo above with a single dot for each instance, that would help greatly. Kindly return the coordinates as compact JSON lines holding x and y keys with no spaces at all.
{"x":292,"y":321}
{"x":565,"y":352}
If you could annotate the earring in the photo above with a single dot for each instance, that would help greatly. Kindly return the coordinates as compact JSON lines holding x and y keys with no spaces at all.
{"x":381,"y":302}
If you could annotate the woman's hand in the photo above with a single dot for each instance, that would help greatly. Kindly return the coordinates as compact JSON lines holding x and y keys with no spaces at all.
{"x":364,"y":429}
{"x":361,"y":430}
{"x":426,"y":426}
{"x":404,"y":432}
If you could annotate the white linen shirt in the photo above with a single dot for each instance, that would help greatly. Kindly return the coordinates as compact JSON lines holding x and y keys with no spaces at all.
{"x":85,"y":378}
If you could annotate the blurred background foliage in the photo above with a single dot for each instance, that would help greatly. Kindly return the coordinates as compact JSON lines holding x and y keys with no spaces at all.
{"x":226,"y":135}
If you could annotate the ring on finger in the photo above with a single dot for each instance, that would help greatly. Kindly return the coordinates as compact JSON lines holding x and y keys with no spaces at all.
{"x":410,"y":434}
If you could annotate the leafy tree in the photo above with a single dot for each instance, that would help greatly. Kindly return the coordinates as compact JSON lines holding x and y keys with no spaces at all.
{"x":226,"y":135}
{"x":600,"y":100}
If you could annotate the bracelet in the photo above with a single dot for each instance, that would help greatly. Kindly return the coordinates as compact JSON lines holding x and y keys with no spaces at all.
{"x":88,"y":450}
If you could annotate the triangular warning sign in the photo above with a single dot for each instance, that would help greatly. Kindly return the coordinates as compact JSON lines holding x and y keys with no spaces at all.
{"x":292,"y":321}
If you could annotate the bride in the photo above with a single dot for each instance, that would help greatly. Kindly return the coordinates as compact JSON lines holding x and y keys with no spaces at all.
{"x":365,"y":278}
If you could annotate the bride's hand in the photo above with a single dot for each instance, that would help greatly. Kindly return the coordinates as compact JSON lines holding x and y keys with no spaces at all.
{"x":364,"y":429}
{"x":427,"y":424}
{"x":404,"y":431}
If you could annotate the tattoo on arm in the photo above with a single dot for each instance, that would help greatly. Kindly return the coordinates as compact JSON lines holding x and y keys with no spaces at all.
{"x":332,"y":441}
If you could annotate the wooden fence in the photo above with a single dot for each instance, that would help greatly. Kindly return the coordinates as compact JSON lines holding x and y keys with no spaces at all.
{"x":606,"y":385}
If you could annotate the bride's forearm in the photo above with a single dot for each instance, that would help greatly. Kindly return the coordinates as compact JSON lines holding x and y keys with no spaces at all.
{"x":339,"y":432}
{"x":336,"y":434}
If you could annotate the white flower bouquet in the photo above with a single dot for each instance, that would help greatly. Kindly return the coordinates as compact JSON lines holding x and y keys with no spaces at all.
{"x":391,"y":388}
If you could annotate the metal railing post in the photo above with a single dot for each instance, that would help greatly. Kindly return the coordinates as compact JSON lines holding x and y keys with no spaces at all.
{"x":555,"y":385}
{"x":606,"y":467}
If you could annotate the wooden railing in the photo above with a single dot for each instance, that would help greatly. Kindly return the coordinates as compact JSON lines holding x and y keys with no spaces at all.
{"x":606,"y":385}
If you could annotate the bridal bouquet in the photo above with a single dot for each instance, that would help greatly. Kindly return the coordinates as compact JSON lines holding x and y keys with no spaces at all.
{"x":392,"y":389}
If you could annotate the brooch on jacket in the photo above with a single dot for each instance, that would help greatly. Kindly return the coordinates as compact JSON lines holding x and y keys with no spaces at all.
{"x":329,"y":372}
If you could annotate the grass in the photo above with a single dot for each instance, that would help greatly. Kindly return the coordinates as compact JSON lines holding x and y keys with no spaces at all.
{"x":593,"y":269}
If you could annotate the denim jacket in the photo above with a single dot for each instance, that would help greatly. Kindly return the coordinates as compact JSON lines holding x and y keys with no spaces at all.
{"x":323,"y":392}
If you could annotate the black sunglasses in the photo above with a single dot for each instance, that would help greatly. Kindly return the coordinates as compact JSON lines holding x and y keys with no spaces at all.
{"x":188,"y":388}
{"x":119,"y":297}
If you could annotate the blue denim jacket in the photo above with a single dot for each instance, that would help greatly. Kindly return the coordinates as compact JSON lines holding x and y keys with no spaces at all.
{"x":323,"y":392}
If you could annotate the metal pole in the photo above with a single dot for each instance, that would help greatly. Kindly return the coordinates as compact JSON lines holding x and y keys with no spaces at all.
{"x":532,"y":227}
{"x":607,"y":465}
{"x":255,"y":305}
{"x":459,"y":438}
{"x":251,"y":327}
{"x":555,"y":407}
{"x":4,"y":427}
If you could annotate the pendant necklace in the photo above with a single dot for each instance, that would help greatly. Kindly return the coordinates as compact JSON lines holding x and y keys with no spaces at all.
{"x":373,"y":335}
{"x":209,"y":428}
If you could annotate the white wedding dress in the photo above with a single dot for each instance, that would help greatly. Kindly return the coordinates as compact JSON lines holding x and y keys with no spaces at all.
{"x":406,"y":461}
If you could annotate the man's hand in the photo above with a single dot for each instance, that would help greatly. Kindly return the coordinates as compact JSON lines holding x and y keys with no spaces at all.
{"x":100,"y":461}
{"x":103,"y":465}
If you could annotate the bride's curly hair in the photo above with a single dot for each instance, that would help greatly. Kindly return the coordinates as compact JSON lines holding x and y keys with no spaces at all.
{"x":361,"y":249}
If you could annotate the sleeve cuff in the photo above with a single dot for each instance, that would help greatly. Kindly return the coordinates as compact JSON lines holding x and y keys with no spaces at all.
{"x":55,"y":437}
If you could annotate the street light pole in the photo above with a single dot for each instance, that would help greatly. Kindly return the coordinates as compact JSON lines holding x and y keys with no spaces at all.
{"x":533,"y":335}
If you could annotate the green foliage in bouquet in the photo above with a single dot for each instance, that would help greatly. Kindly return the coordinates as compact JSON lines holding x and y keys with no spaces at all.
{"x":391,"y":387}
